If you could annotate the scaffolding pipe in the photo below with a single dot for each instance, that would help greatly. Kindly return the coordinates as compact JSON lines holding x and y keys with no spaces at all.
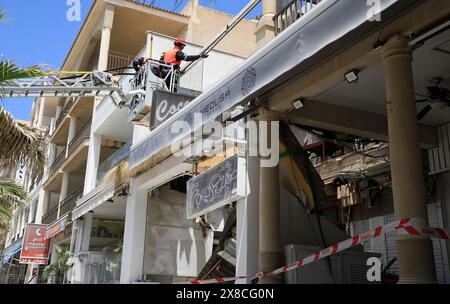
{"x":247,"y":9}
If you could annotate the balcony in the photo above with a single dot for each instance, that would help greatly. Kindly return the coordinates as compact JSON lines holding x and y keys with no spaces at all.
{"x":113,"y":161}
{"x":65,"y":111}
{"x":65,"y":158}
{"x":118,"y":61}
{"x":292,"y":12}
{"x":57,"y":163}
{"x":83,"y":134}
{"x":80,"y":107}
{"x":64,"y":207}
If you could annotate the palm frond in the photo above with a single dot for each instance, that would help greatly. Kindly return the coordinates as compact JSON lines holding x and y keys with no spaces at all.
{"x":20,"y":144}
{"x":11,"y":196}
{"x":60,"y":266}
{"x":10,"y":71}
{"x":2,"y":15}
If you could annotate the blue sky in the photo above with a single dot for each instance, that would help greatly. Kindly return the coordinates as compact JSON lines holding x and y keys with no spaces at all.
{"x":38,"y":32}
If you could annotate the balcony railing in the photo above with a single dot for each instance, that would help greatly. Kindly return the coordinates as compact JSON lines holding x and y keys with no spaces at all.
{"x":116,"y":61}
{"x":292,"y":12}
{"x":83,"y":134}
{"x":65,"y":207}
{"x":65,"y":111}
{"x":70,"y":201}
{"x":50,"y":216}
{"x":57,"y":163}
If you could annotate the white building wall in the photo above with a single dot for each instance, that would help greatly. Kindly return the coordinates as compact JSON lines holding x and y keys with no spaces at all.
{"x":174,"y":245}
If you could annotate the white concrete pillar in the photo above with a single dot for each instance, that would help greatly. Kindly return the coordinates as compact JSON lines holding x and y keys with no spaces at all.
{"x":265,"y":29}
{"x":83,"y":242}
{"x":95,"y":145}
{"x":269,"y":218}
{"x":108,"y":20}
{"x":415,"y":253}
{"x":53,"y":152}
{"x":134,"y":235}
{"x":53,"y":259}
{"x":32,"y":210}
{"x":43,"y":201}
{"x":58,"y":111}
{"x":87,"y":227}
{"x":247,"y":224}
{"x":72,"y":248}
{"x":64,"y":191}
{"x":72,"y":132}
{"x":41,"y":112}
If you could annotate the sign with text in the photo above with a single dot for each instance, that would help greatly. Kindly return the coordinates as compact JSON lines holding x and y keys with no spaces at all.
{"x":35,"y":248}
{"x":216,"y":187}
{"x":56,"y":227}
{"x":165,"y":105}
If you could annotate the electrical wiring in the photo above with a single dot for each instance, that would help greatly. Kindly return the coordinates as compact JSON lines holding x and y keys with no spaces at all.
{"x":341,"y":142}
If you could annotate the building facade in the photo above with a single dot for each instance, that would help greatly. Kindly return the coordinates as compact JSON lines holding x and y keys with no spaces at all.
{"x":350,"y":110}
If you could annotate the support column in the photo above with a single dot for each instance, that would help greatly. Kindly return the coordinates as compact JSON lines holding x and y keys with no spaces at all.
{"x":72,"y":132}
{"x":43,"y":201}
{"x":64,"y":191}
{"x":247,"y":224}
{"x":134,"y":234}
{"x":41,"y":111}
{"x":84,"y":242}
{"x":93,"y":160}
{"x":414,"y":253}
{"x":269,"y":214}
{"x":265,"y":29}
{"x":108,"y":20}
{"x":73,"y":239}
{"x":53,"y":259}
{"x":106,"y":37}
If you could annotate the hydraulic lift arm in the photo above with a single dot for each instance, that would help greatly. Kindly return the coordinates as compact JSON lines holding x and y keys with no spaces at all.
{"x":89,"y":84}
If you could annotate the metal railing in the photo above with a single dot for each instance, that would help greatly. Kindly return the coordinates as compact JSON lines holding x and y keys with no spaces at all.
{"x":70,"y":201}
{"x":292,"y":12}
{"x":57,"y":163}
{"x":50,"y":216}
{"x":65,"y":206}
{"x":84,"y":133}
{"x":65,"y":111}
{"x":117,"y":61}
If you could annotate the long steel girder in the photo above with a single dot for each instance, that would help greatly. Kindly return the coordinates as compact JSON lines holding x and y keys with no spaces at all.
{"x":88,"y":85}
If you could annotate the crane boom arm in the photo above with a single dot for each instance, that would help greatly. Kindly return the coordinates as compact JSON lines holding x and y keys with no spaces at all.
{"x":87,"y":85}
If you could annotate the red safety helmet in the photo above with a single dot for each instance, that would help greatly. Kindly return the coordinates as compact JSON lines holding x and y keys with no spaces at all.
{"x":180,"y":41}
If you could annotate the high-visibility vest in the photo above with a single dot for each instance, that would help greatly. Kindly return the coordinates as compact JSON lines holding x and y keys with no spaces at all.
{"x":171,"y":57}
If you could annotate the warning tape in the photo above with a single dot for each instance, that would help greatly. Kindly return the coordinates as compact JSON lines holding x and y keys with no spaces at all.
{"x":402,"y":227}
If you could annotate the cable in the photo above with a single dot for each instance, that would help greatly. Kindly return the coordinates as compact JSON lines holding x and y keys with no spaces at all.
{"x":338,"y":141}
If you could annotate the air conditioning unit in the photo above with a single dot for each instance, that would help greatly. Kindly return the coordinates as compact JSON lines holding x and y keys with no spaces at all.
{"x":347,"y":267}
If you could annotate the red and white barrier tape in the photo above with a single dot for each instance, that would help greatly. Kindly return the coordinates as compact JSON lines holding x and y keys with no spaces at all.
{"x":404,"y":226}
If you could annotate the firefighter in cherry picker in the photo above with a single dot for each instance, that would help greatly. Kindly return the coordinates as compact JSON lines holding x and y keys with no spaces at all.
{"x":175,"y":56}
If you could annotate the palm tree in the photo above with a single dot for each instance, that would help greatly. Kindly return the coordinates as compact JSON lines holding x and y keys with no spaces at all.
{"x":10,"y":194}
{"x":19,"y":143}
{"x":60,"y":267}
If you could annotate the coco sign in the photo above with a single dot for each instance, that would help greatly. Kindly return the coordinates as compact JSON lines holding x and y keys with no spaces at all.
{"x":165,"y":105}
{"x":216,"y":187}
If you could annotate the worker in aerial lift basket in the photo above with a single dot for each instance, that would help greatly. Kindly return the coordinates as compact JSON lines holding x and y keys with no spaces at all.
{"x":175,"y":56}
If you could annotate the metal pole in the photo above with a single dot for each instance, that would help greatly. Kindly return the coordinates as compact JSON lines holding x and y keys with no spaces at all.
{"x":251,"y":5}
